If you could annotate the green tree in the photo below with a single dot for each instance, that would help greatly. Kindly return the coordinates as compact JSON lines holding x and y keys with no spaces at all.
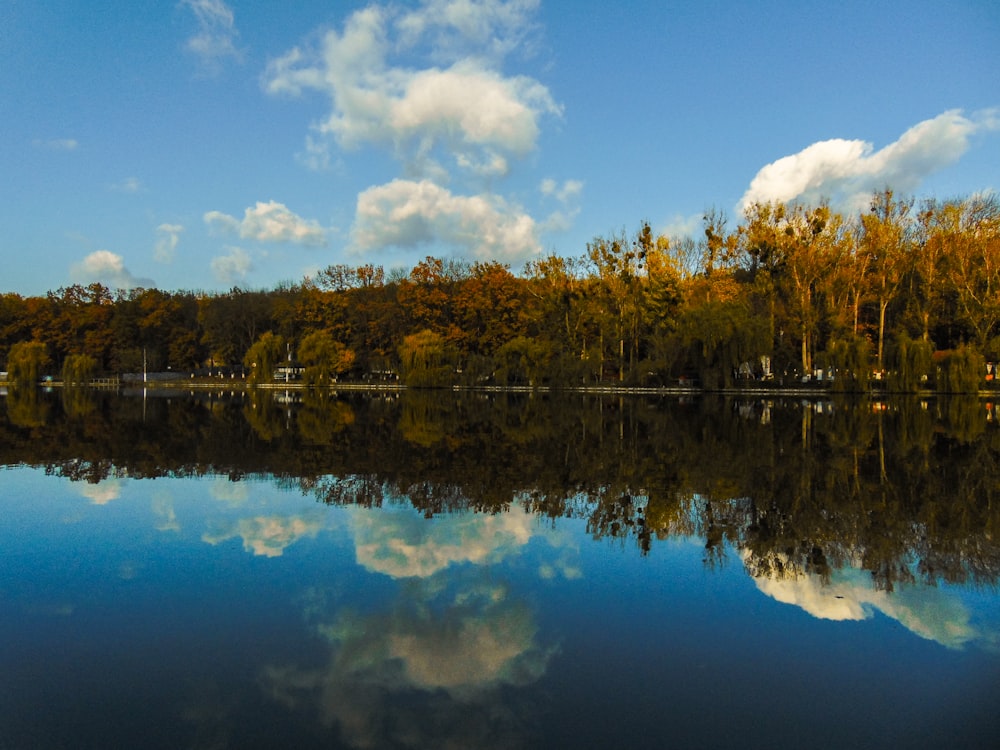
{"x":910,"y":364}
{"x":423,"y":359}
{"x":323,"y":359}
{"x":850,"y":360}
{"x":26,"y":361}
{"x":523,"y":361}
{"x":961,"y":370}
{"x":78,"y":369}
{"x":262,"y":357}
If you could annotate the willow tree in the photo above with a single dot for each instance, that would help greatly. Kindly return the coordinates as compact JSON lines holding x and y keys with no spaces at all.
{"x":25,"y":362}
{"x":423,"y":359}
{"x":78,"y":369}
{"x":263,"y":357}
{"x":323,"y":358}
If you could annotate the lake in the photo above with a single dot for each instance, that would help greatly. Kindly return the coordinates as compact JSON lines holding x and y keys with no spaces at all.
{"x":471,"y":570}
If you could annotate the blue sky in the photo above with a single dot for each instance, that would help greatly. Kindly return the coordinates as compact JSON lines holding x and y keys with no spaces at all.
{"x":202,"y":144}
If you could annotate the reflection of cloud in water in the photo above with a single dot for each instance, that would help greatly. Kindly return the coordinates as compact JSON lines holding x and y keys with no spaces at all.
{"x":266,"y":535}
{"x":163,"y":509}
{"x":233,"y":494}
{"x":427,"y":669}
{"x":560,"y":567}
{"x":403,"y":544}
{"x":928,"y":612}
{"x":103,"y":492}
{"x":129,"y":570}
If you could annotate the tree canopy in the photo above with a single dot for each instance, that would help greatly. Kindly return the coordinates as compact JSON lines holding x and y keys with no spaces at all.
{"x":903,"y":293}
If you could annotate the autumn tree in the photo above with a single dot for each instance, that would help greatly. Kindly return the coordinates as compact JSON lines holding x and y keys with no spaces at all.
{"x":232,"y":322}
{"x":618,"y":263}
{"x":887,"y":239}
{"x":974,"y":278}
{"x":488,"y":307}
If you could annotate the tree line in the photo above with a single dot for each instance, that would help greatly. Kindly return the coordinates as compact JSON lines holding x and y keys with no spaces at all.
{"x":906,"y":294}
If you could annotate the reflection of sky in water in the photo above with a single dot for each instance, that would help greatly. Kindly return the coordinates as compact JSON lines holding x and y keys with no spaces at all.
{"x":233,"y":614}
{"x":938,"y":614}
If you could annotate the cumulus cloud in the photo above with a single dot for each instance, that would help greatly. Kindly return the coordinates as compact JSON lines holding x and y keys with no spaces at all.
{"x":232,"y":267}
{"x":215,"y":39}
{"x":269,"y":222}
{"x":485,"y":28}
{"x":466,"y":106}
{"x":166,"y":244}
{"x":847,"y":171}
{"x":109,"y":269}
{"x":409,"y":214}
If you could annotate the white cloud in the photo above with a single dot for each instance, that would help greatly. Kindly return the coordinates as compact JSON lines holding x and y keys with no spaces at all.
{"x":409,"y":214}
{"x":270,"y":222}
{"x":56,"y":144}
{"x":166,"y":244}
{"x":683,"y":226}
{"x":566,"y":194}
{"x":848,"y":171}
{"x":109,"y":269}
{"x":467,"y":108}
{"x":215,"y":39}
{"x":563,"y":193}
{"x":233,"y":267}
{"x":484,"y":28}
{"x":128,"y":185}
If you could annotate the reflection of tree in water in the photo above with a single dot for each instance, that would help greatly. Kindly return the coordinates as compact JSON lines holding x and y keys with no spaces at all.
{"x":906,"y":488}
{"x":78,"y":403}
{"x":25,"y":407}
{"x":321,"y":417}
{"x":436,"y":671}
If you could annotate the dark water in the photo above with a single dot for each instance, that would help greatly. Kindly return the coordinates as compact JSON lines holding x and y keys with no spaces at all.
{"x":467,"y":571}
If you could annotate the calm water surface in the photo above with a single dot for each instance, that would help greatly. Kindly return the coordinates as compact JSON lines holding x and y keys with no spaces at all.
{"x":471,"y":577}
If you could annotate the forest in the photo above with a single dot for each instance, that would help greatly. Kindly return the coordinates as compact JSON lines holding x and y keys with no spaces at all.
{"x":904,"y":295}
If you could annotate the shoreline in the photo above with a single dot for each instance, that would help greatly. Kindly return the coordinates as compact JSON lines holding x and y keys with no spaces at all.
{"x":758,"y":391}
